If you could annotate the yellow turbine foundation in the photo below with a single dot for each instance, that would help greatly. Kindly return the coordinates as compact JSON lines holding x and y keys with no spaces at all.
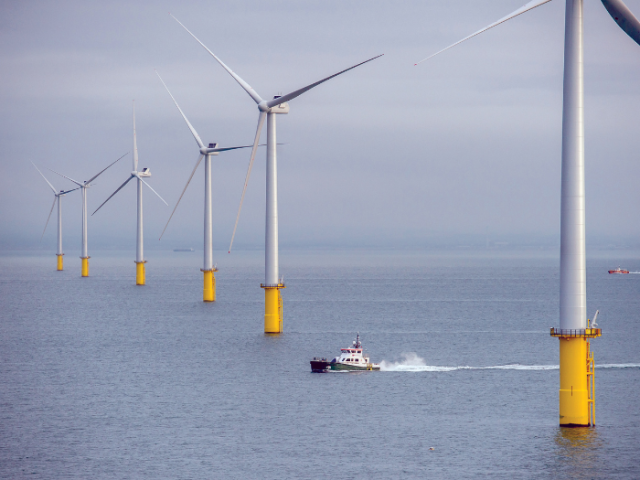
{"x":60,"y":262}
{"x":209,"y":290}
{"x":574,"y":396}
{"x":577,"y":385}
{"x":140,"y":273}
{"x":85,"y":266}
{"x":273,"y":309}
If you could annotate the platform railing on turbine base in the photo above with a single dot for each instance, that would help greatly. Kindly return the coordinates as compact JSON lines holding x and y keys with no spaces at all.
{"x":584,"y":332}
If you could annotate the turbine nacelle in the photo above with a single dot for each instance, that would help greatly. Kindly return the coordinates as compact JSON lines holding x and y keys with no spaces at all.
{"x":144,"y":173}
{"x":263,"y":106}
{"x":280,"y":108}
{"x":212,"y":149}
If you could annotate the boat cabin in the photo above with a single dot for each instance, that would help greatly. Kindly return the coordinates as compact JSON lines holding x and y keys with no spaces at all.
{"x":352,"y":356}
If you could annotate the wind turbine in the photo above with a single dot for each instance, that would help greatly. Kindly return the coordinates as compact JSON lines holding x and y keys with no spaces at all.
{"x":83,"y":188}
{"x":57,"y":196}
{"x":209,"y":289}
{"x":140,"y":261}
{"x":269,"y":109}
{"x":577,"y":402}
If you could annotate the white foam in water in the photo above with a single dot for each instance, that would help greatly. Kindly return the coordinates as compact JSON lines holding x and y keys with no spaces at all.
{"x":413,"y":363}
{"x":619,"y":365}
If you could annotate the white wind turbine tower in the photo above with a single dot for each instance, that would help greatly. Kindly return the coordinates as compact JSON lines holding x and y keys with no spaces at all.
{"x":140,"y":261}
{"x":576,"y":362}
{"x":269,"y":109}
{"x":57,"y":197}
{"x":209,"y":288}
{"x":83,"y":187}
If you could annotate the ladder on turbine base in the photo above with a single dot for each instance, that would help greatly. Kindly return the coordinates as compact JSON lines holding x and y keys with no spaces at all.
{"x":591,"y":386}
{"x":280,"y":310}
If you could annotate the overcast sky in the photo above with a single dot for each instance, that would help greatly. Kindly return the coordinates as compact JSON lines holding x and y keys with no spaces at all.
{"x":467,"y":143}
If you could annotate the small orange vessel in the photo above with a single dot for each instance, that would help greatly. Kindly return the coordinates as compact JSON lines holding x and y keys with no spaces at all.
{"x":618,"y":270}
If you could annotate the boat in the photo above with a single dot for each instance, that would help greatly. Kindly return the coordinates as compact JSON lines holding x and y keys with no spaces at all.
{"x":351,"y":359}
{"x":618,"y":270}
{"x":183,"y":250}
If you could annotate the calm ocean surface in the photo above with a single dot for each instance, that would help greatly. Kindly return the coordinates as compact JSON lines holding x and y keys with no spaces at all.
{"x":100,"y":379}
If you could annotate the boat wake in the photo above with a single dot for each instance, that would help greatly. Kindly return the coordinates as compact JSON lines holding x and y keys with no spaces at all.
{"x":413,"y":363}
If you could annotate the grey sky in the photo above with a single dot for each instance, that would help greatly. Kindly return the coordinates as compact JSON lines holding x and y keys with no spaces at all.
{"x":466,"y":143}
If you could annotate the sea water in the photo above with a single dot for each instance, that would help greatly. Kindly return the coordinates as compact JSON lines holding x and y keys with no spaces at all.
{"x":102,"y":379}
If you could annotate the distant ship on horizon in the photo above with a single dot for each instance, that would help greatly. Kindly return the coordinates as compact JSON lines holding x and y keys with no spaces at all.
{"x":618,"y":270}
{"x":183,"y":250}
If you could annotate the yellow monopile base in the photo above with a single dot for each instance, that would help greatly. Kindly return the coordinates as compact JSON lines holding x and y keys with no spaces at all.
{"x":574,"y":391}
{"x":273,"y":309}
{"x":85,"y":266}
{"x":60,"y":262}
{"x":209,"y":291}
{"x":140,"y":274}
{"x":577,"y":382}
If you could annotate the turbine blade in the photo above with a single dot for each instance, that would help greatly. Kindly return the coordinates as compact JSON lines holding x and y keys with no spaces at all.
{"x":246,"y":180}
{"x":193,"y":130}
{"x":292,"y":95}
{"x":64,"y":176}
{"x":45,"y":179}
{"x":69,"y":191}
{"x":49,"y":217}
{"x":247,"y":88}
{"x":135,"y":143}
{"x":225,"y":149}
{"x":185,"y":189}
{"x":138,"y":177}
{"x":119,"y":188}
{"x":624,"y":18}
{"x":100,"y":173}
{"x":529,"y":6}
